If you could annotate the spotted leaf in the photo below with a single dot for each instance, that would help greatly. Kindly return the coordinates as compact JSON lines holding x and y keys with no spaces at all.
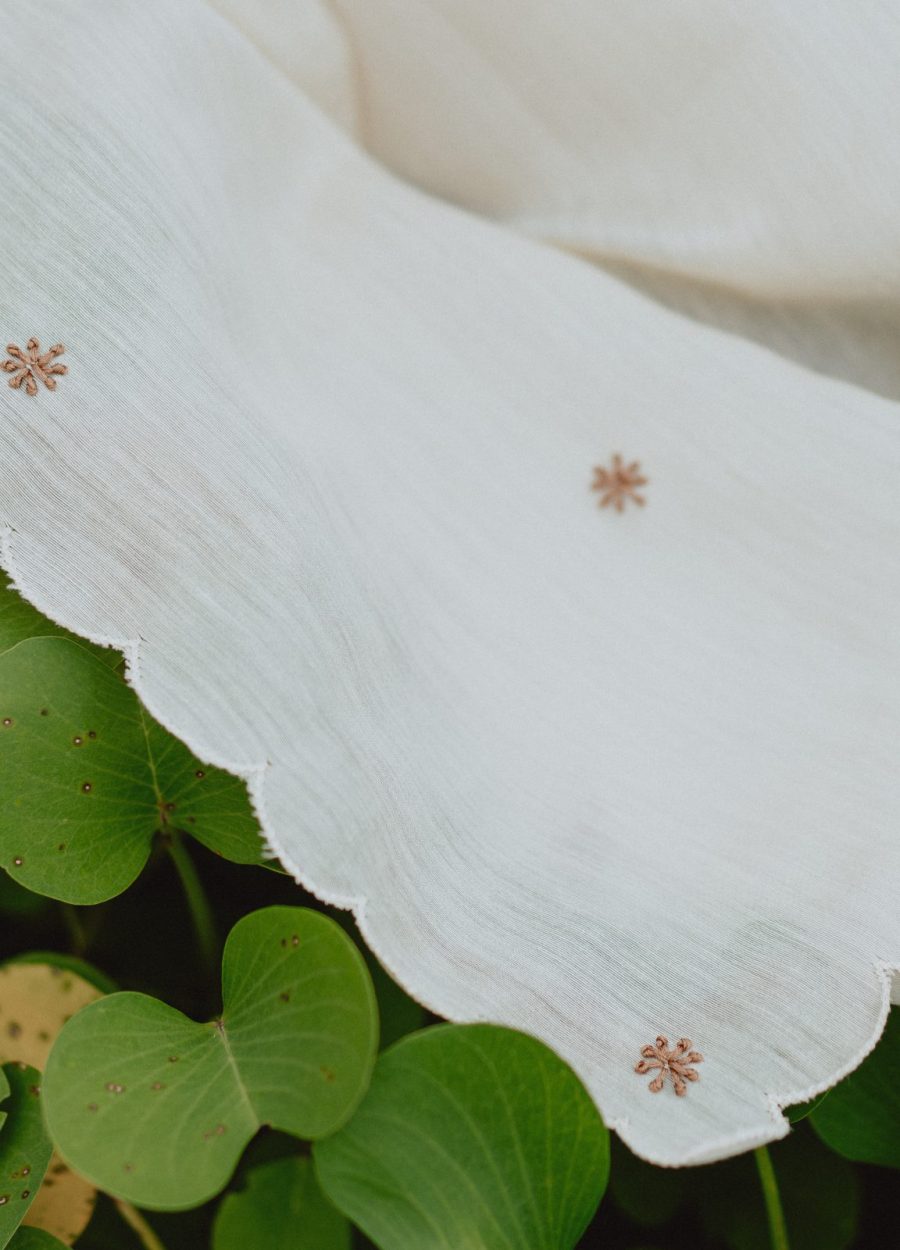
{"x":24,"y":1145}
{"x":90,"y":778}
{"x":156,"y":1108}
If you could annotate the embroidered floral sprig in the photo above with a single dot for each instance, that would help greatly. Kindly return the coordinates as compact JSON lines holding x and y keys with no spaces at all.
{"x":619,"y":483}
{"x":673,"y":1064}
{"x":30,"y":366}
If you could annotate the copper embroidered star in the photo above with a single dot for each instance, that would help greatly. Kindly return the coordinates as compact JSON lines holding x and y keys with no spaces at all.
{"x":672,"y":1063}
{"x":619,"y":483}
{"x":31,"y":367}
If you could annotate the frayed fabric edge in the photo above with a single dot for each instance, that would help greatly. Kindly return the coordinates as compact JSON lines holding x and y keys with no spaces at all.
{"x":254,"y":776}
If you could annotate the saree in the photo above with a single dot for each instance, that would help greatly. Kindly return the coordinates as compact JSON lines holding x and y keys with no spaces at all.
{"x":480,"y":432}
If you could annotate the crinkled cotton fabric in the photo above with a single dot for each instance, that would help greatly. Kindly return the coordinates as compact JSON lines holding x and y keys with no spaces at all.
{"x":355,"y":299}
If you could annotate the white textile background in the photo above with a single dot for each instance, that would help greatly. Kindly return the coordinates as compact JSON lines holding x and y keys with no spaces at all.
{"x":321,"y":465}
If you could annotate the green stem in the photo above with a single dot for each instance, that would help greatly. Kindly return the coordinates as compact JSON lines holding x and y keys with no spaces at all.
{"x":78,"y":938}
{"x":777,"y":1227}
{"x":198,"y":903}
{"x":133,"y":1218}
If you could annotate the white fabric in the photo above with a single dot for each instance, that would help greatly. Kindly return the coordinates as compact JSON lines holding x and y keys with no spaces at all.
{"x":321,"y":464}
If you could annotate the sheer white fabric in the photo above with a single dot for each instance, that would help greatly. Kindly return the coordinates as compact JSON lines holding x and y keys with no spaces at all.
{"x":322,"y":460}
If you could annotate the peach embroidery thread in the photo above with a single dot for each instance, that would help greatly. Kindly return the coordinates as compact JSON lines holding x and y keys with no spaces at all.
{"x":30,"y":367}
{"x":619,"y":483}
{"x":673,"y":1064}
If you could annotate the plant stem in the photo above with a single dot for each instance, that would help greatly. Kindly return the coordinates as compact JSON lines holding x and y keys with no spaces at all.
{"x":777,"y":1227}
{"x":77,"y":936}
{"x":198,"y":903}
{"x":132,"y":1216}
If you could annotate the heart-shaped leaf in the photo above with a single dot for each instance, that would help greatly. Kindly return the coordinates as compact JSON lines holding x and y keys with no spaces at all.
{"x":156,"y":1108}
{"x":860,"y":1118}
{"x":282,"y":1208}
{"x":470,"y":1135}
{"x":24,"y":1146}
{"x":92,"y":778}
{"x":19,"y":620}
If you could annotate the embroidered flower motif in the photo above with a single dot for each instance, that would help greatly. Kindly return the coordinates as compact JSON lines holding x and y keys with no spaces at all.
{"x":672,"y":1063}
{"x":619,"y":483}
{"x":31,"y":367}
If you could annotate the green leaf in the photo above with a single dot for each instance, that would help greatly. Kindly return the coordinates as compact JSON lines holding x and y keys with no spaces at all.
{"x":34,"y":1239}
{"x":281,"y":1208}
{"x":19,"y":620}
{"x":649,"y":1196}
{"x":470,"y":1136}
{"x":156,"y":1108}
{"x":92,"y":778}
{"x":24,"y":1146}
{"x":819,"y":1194}
{"x":860,"y":1119}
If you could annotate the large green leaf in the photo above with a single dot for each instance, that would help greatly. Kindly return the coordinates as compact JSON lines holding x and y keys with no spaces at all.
{"x":281,"y":1208}
{"x":156,"y":1108}
{"x":89,"y":778}
{"x":24,"y":1146}
{"x":860,"y":1119}
{"x":470,"y":1136}
{"x":819,"y":1194}
{"x":19,"y":620}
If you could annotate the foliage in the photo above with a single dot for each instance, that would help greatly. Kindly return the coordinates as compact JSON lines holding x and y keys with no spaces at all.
{"x":134,"y":1090}
{"x":35,"y":1239}
{"x":97,"y":778}
{"x":819,"y":1192}
{"x":861,"y":1118}
{"x":38,"y":995}
{"x":465,"y":1137}
{"x":506,"y":1148}
{"x":19,"y":620}
{"x":280,"y":1205}
{"x":25,"y":1147}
